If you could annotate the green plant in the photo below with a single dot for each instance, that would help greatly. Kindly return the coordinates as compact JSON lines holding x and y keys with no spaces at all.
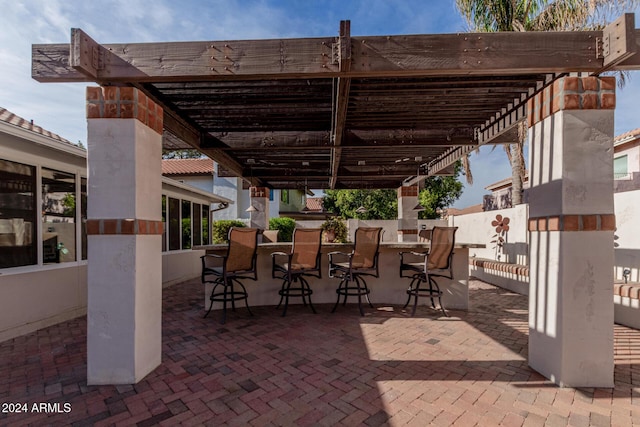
{"x":285,"y":227}
{"x":220,"y":229}
{"x":186,"y":233}
{"x":338,"y":227}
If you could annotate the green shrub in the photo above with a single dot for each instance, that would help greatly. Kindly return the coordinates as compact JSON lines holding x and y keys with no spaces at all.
{"x":338,"y":226}
{"x":220,"y":229}
{"x":285,"y":227}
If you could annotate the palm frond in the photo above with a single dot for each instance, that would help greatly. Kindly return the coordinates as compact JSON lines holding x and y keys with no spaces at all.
{"x":466,"y":167}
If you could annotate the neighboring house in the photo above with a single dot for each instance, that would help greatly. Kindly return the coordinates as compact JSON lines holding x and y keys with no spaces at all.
{"x":626,"y":173}
{"x":203,"y":173}
{"x":314,"y":211}
{"x":500,"y":197}
{"x":626,"y":161}
{"x":465,"y":211}
{"x":43,"y":239}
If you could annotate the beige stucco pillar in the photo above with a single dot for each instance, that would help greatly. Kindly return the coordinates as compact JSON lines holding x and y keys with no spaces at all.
{"x":407,"y":216}
{"x":124,"y":230}
{"x":259,"y":199}
{"x":571,"y":224}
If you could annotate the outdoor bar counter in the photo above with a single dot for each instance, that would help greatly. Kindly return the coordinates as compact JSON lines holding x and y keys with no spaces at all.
{"x":388,"y":289}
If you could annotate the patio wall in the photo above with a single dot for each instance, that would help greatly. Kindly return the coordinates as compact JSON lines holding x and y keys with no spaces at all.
{"x":39,"y":298}
{"x":477,"y":228}
{"x":627,"y":240}
{"x":32,"y":300}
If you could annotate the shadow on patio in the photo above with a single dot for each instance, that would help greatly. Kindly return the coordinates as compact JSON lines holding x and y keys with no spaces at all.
{"x":382,"y":369}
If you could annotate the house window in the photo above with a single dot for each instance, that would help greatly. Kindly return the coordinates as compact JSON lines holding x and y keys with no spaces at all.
{"x":83,"y":215}
{"x":17,"y":214}
{"x":164,"y":223}
{"x":620,"y":167}
{"x":284,"y":196}
{"x":271,"y":194}
{"x":197,"y":224}
{"x":58,"y":216}
{"x":174,"y":224}
{"x":205,"y":225}
{"x":186,"y":224}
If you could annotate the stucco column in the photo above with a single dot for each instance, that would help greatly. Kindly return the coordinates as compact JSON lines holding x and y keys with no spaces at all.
{"x":124,"y":230}
{"x":407,"y":216}
{"x":571,"y":224}
{"x":259,"y":199}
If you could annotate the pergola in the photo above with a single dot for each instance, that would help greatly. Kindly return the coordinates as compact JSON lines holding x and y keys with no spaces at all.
{"x":373,"y":112}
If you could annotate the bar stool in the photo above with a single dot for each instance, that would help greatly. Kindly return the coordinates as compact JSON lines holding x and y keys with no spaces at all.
{"x":304,"y":260}
{"x":362,"y":261}
{"x":423,"y":267}
{"x":238,"y":264}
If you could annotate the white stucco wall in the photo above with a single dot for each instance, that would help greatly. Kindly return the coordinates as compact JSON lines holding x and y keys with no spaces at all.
{"x":231,"y":188}
{"x":627,"y":241}
{"x":204,"y":183}
{"x":477,"y":228}
{"x":32,"y":300}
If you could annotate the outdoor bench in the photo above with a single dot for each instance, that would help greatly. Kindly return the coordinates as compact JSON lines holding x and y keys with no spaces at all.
{"x":514,"y":277}
{"x":626,"y":303}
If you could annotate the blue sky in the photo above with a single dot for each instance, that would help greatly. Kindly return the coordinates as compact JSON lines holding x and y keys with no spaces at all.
{"x":60,"y":107}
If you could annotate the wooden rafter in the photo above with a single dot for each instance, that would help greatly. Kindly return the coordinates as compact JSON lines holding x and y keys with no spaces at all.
{"x":372,"y":56}
{"x":341,"y":100}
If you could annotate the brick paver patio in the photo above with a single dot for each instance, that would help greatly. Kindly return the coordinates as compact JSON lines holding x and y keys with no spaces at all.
{"x":326,"y":369}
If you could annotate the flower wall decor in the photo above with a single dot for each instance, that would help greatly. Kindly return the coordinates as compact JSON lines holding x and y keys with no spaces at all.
{"x":502,"y":227}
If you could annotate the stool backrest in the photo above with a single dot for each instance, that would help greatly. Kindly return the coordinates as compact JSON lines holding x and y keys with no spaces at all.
{"x":243,"y":246}
{"x":367,"y":243}
{"x":441,"y":249}
{"x":306,"y":247}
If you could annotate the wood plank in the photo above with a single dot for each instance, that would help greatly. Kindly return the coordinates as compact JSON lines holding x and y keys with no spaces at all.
{"x":85,"y":54}
{"x":270,"y":141}
{"x":341,"y":100}
{"x":372,"y":56}
{"x":618,"y":40}
{"x":187,"y":133}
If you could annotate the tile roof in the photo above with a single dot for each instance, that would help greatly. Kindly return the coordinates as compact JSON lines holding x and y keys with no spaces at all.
{"x":187,"y":167}
{"x":314,"y":204}
{"x":631,"y":134}
{"x":7,"y":116}
{"x":464,"y":211}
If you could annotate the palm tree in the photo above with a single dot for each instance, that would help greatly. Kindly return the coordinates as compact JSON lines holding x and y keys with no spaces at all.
{"x":537,"y":15}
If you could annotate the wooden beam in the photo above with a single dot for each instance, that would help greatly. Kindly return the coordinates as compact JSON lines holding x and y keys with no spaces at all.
{"x":341,"y":99}
{"x":190,"y":135}
{"x":500,"y":127}
{"x":270,"y":141}
{"x":87,"y":56}
{"x":411,"y":138}
{"x":443,"y":161}
{"x":448,"y":158}
{"x":618,"y":41}
{"x":371,"y":56}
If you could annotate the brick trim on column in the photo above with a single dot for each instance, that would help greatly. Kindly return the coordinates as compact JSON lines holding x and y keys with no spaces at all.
{"x":114,"y":102}
{"x":595,"y":222}
{"x":404,"y":231}
{"x":572,"y":93}
{"x":408,"y":191}
{"x":123,"y":226}
{"x":259,"y":192}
